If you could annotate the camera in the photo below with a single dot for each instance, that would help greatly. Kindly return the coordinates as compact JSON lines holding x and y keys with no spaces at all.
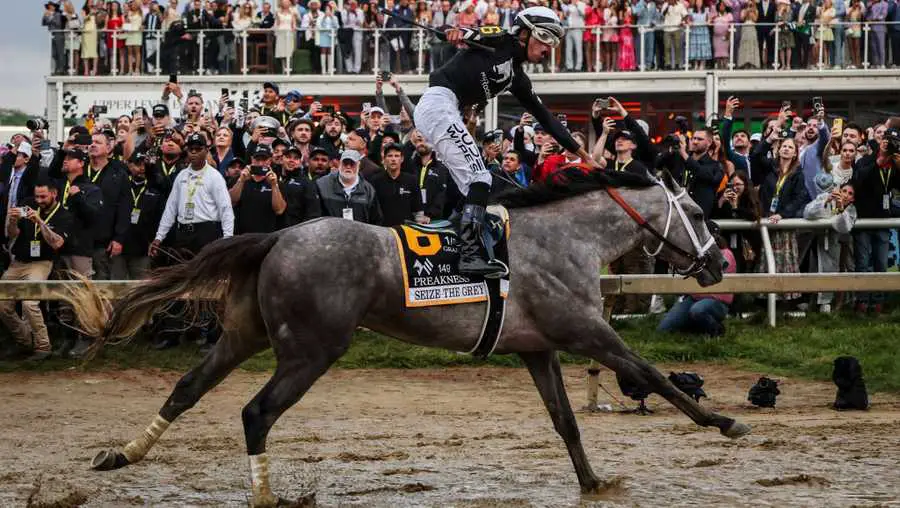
{"x":817,"y":104}
{"x":892,"y":136}
{"x":682,"y":124}
{"x":99,"y":109}
{"x":385,"y":75}
{"x":562,"y":119}
{"x":258,"y":170}
{"x":37,"y":124}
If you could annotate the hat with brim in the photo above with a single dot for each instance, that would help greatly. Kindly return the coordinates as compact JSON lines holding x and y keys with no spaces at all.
{"x":351,"y":155}
{"x":318,"y":150}
{"x":623,"y":134}
{"x":273,"y":86}
{"x":76,"y":154}
{"x":262,"y":152}
{"x":195,"y":139}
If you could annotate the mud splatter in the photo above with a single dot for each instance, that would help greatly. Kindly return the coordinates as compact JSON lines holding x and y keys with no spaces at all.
{"x":356,"y":457}
{"x":794,"y":480}
{"x":408,"y":488}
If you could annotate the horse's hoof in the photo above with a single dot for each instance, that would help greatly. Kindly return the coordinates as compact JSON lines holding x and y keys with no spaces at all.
{"x":736,"y":430}
{"x":107,"y":460}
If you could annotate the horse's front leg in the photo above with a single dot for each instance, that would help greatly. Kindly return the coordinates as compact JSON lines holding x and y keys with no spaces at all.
{"x":544,"y":369}
{"x":595,"y":339}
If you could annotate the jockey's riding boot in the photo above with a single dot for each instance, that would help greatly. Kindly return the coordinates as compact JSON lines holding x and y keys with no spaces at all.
{"x":471,"y":256}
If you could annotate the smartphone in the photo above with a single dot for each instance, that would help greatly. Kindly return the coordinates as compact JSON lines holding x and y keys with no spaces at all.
{"x":229,"y":103}
{"x":226,"y":92}
{"x":785,"y":104}
{"x":817,"y":104}
{"x":138,"y":113}
{"x":729,"y":186}
{"x":173,"y":78}
{"x":838,"y":124}
{"x":385,"y":75}
{"x":366,"y":106}
{"x":602,"y":103}
{"x":245,"y":103}
{"x":99,"y":109}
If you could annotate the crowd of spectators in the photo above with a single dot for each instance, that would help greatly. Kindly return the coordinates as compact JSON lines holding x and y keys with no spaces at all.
{"x":123,"y":195}
{"x":105,"y":37}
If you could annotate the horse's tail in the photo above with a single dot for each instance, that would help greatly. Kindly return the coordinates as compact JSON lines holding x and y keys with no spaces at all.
{"x":205,"y":277}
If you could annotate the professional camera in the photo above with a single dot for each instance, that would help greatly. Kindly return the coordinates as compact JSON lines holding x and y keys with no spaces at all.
{"x":37,"y":124}
{"x":892,"y":136}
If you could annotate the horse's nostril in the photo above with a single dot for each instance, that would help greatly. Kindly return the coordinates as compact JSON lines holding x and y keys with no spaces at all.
{"x":724,"y":264}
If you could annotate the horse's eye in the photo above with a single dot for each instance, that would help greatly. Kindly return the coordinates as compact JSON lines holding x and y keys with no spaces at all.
{"x":698,"y":216}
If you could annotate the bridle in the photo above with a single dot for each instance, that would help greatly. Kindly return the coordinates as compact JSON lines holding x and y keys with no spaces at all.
{"x":700,"y":260}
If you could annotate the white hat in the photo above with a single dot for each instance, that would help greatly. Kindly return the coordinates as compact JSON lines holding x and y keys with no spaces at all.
{"x":756,"y":137}
{"x":25,"y":148}
{"x":352,"y":155}
{"x":644,"y":126}
{"x":376,"y":109}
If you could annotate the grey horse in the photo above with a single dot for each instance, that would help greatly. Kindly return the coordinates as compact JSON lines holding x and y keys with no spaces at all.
{"x":303,"y":291}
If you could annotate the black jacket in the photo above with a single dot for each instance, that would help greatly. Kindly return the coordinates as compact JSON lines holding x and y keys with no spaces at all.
{"x":644,"y":151}
{"x":26,"y":183}
{"x":869,"y":185}
{"x":701,"y":177}
{"x":151,"y":202}
{"x":399,"y":197}
{"x":793,"y":196}
{"x":115,"y":214}
{"x":432,"y":180}
{"x":329,"y":200}
{"x":85,"y":207}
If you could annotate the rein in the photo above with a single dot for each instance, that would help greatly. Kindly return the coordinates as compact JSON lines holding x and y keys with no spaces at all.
{"x":698,"y":260}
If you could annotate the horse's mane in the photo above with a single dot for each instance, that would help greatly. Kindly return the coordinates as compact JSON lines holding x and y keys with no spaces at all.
{"x":568,"y":182}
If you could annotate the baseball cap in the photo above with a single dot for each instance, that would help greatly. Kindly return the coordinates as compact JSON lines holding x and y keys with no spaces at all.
{"x":237,"y":160}
{"x":262,"y":151}
{"x":390,"y":133}
{"x":294,"y":150}
{"x":351,"y":155}
{"x":627,"y":134}
{"x":279,"y":142}
{"x":269,"y":84}
{"x":25,"y":148}
{"x":75,"y":153}
{"x":318,"y":149}
{"x":293,"y":95}
{"x":756,"y":137}
{"x":195,"y":139}
{"x":493,"y":136}
{"x":137,"y":157}
{"x":538,"y":128}
{"x":160,"y":110}
{"x":375,"y":109}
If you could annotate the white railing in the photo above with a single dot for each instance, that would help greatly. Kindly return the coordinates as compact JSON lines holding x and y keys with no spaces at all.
{"x":229,"y":51}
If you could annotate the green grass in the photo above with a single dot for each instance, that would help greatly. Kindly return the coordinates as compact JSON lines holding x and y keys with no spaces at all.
{"x":797,"y":347}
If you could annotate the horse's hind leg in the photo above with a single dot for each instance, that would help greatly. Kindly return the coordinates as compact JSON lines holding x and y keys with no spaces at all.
{"x":244,"y":336}
{"x":607,"y":347}
{"x":544,"y":369}
{"x":302,"y":359}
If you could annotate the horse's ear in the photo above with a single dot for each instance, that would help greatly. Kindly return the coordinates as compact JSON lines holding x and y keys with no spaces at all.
{"x":669,"y":181}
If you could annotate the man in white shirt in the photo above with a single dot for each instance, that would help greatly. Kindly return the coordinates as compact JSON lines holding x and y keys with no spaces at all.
{"x":574,"y":11}
{"x":199,"y":206}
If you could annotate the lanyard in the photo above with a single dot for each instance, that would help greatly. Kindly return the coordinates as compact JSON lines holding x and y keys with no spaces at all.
{"x":96,"y":175}
{"x":422,"y":173}
{"x":136,"y":197}
{"x":624,"y":165}
{"x":167,"y":170}
{"x":780,"y":184}
{"x":37,"y":228}
{"x":66,"y":193}
{"x":192,"y":187}
{"x":885,"y":180}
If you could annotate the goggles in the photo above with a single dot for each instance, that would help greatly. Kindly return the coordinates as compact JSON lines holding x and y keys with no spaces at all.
{"x":544,"y":35}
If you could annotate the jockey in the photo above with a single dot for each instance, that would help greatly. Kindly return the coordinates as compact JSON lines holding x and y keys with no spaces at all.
{"x":473,"y":77}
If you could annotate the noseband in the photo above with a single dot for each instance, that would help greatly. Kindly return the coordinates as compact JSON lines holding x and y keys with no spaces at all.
{"x":700,"y":260}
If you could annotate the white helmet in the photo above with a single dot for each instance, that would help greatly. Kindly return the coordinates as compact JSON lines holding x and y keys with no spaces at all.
{"x":543,"y":24}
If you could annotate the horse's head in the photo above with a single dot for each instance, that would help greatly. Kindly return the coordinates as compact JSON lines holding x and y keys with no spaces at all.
{"x":686,"y":242}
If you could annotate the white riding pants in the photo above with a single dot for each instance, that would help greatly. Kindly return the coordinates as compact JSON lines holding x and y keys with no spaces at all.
{"x":438,"y":118}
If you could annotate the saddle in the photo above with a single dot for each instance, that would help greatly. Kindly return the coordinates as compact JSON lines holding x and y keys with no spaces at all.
{"x":429,"y":256}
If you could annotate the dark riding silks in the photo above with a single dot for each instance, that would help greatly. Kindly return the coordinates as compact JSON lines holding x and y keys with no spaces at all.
{"x":848,"y":377}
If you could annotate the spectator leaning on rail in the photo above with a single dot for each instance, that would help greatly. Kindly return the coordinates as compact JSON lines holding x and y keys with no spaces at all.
{"x":703,"y":313}
{"x":345,"y":194}
{"x":874,"y":177}
{"x":834,"y":203}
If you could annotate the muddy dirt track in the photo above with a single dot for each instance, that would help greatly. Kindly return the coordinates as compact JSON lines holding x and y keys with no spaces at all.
{"x":460,"y":437}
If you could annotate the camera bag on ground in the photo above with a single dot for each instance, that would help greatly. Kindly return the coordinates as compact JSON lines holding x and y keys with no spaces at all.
{"x":764,"y":392}
{"x":848,"y":377}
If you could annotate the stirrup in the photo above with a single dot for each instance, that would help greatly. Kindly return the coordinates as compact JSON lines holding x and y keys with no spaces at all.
{"x":501,"y":265}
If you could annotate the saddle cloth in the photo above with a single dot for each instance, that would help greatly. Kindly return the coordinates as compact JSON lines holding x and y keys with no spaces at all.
{"x":429,"y":255}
